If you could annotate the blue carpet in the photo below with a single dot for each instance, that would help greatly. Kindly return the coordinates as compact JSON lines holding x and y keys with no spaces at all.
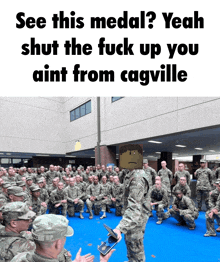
{"x":165,"y":242}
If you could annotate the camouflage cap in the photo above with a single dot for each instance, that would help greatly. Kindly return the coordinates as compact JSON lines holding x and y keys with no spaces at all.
{"x":51,"y":227}
{"x":202,"y":161}
{"x":29,"y":178}
{"x":34,"y":188}
{"x":21,"y":183}
{"x":145,"y":161}
{"x":16,"y":191}
{"x":6,"y":185}
{"x":40,"y":180}
{"x":20,"y":210}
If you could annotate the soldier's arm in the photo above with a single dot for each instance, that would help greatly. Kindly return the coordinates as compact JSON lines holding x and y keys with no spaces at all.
{"x":46,"y":196}
{"x":88,"y":192}
{"x":22,"y":257}
{"x":101,"y":194}
{"x":132,"y":215}
{"x":210,"y":176}
{"x":188,"y":178}
{"x":170,"y":176}
{"x":22,"y":245}
{"x":190,"y":207}
{"x":188,"y":192}
{"x":53,"y":199}
{"x":81,"y":194}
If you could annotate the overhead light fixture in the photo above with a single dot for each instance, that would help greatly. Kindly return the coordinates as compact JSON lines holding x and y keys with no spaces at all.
{"x":175,"y":154}
{"x":8,"y":154}
{"x":92,"y":157}
{"x":156,"y":142}
{"x":41,"y":155}
{"x":150,"y":156}
{"x":180,"y":145}
{"x":70,"y":156}
{"x":198,"y":148}
{"x":211,"y":150}
{"x":158,"y":152}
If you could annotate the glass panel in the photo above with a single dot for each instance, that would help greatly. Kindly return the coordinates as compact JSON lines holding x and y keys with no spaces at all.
{"x":114,"y":98}
{"x":6,"y":161}
{"x":77,"y":113}
{"x":88,"y":107}
{"x":83,"y":110}
{"x":72,"y":115}
{"x":16,"y":160}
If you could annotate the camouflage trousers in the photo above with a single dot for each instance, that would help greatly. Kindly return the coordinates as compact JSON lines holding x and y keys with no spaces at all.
{"x":160,"y":211}
{"x":72,"y":207}
{"x":43,"y":210}
{"x":210,"y":222}
{"x":134,"y":240}
{"x":104,"y":203}
{"x":199,"y":194}
{"x":96,"y":204}
{"x":61,"y":209}
{"x":186,"y":217}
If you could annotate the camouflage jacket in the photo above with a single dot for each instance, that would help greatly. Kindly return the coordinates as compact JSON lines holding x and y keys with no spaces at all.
{"x":94,"y":190}
{"x":36,"y":206}
{"x":185,"y":189}
{"x":185,"y":205}
{"x":73,"y":192}
{"x":204,"y":179}
{"x":151,"y":174}
{"x":82,"y":188}
{"x":12,"y":243}
{"x":159,"y":196}
{"x":213,"y":197}
{"x":106,"y":190}
{"x":166,"y":177}
{"x":217,"y":173}
{"x":44,"y":197}
{"x":180,"y":174}
{"x":58,"y":195}
{"x":117,"y":191}
{"x":136,"y":188}
{"x":51,"y":188}
{"x":50,"y":176}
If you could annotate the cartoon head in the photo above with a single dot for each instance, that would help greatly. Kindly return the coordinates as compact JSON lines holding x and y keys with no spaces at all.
{"x":131,"y":156}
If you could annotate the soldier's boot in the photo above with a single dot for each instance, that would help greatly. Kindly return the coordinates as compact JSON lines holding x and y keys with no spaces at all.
{"x":108,"y":209}
{"x":218,"y":229}
{"x":181,"y":223}
{"x":81,"y":215}
{"x":150,"y":214}
{"x":104,"y":215}
{"x":91,"y":214}
{"x":210,"y":235}
{"x":199,"y":208}
{"x":160,"y":221}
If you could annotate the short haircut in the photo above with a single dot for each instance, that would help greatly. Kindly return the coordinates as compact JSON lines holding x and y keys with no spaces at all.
{"x":130,"y":147}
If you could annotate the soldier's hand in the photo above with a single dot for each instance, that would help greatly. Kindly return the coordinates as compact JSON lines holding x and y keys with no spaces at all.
{"x":57,"y":205}
{"x":76,"y":200}
{"x":118,"y":232}
{"x":63,"y":201}
{"x":30,"y":208}
{"x":86,"y":258}
{"x":215,"y":211}
{"x":210,"y":214}
{"x":106,"y":258}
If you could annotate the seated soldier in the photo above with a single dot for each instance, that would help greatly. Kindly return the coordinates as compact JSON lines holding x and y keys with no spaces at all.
{"x":184,"y":210}
{"x":44,"y":197}
{"x":117,"y":192}
{"x":213,"y":212}
{"x":183,"y":186}
{"x":74,"y":198}
{"x":35,"y":201}
{"x":159,"y":199}
{"x":59,"y":199}
{"x":15,"y":193}
{"x":106,"y":196}
{"x":94,"y":195}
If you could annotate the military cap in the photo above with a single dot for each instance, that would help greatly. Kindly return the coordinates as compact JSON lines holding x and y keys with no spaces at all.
{"x":16,"y":191}
{"x":40,"y":180}
{"x":145,"y":161}
{"x":34,"y":188}
{"x":29,"y":178}
{"x":22,"y":169}
{"x":51,"y":227}
{"x":21,"y":183}
{"x":202,"y":161}
{"x":6,"y":185}
{"x":178,"y":191}
{"x":19,"y":209}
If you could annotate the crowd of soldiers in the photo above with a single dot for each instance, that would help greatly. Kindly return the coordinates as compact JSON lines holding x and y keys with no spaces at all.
{"x":27,"y":194}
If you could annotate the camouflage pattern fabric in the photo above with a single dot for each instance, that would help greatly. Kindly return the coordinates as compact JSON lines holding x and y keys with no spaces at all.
{"x":180,"y":174}
{"x":151,"y":174}
{"x":166,"y":178}
{"x":184,"y":189}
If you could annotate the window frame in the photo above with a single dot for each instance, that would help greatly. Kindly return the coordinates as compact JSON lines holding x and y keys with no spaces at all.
{"x":79,"y":108}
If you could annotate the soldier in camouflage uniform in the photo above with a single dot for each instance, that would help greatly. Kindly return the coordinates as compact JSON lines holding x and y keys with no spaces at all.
{"x":159,"y":199}
{"x":35,"y":202}
{"x":27,"y":195}
{"x":94,"y":197}
{"x":11,"y":176}
{"x":203,"y":185}
{"x":82,"y":187}
{"x":4,"y":193}
{"x":106,"y":196}
{"x":15,"y":193}
{"x":182,"y":173}
{"x":59,"y":199}
{"x":44,"y":197}
{"x":50,"y":175}
{"x":117,"y":193}
{"x":20,"y":174}
{"x":102,"y":173}
{"x":150,"y":172}
{"x":214,"y":211}
{"x":166,"y":178}
{"x":134,"y":220}
{"x":183,"y":186}
{"x":29,"y":182}
{"x":217,"y":173}
{"x":184,"y":210}
{"x":13,"y":238}
{"x":74,"y":199}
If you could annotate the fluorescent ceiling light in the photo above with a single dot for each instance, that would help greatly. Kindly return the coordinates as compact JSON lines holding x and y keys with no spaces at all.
{"x":180,"y":146}
{"x":41,"y":155}
{"x":8,"y":154}
{"x":158,"y":152}
{"x":150,"y":156}
{"x":92,"y":157}
{"x":198,"y":148}
{"x":211,"y":150}
{"x":156,"y":142}
{"x":70,"y":156}
{"x":175,"y":154}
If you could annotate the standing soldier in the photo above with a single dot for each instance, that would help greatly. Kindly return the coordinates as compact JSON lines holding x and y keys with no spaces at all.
{"x":203,"y":185}
{"x":117,"y":192}
{"x":50,"y":175}
{"x":166,"y":178}
{"x":182,"y":173}
{"x":150,"y":172}
{"x":59,"y":199}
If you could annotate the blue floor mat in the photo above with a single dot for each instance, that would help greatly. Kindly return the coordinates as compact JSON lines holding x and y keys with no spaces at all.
{"x":165,"y":242}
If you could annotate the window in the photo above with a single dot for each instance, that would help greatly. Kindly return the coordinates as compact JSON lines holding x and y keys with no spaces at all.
{"x":114,"y":98}
{"x":80,"y":111}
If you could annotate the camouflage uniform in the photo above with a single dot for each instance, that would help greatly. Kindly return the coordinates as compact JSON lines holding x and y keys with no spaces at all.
{"x":217,"y":173}
{"x":151,"y":174}
{"x":50,"y":176}
{"x":203,"y":186}
{"x":117,"y":192}
{"x":187,"y":211}
{"x":166,"y":178}
{"x":134,"y":220}
{"x":73,"y":192}
{"x":180,"y":174}
{"x":94,"y":190}
{"x":184,"y":189}
{"x":101,"y":174}
{"x":56,"y":197}
{"x":106,"y":192}
{"x":82,"y":188}
{"x":44,"y":197}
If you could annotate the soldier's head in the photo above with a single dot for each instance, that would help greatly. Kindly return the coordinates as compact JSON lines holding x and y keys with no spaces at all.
{"x":35,"y":191}
{"x":217,"y":184}
{"x":90,"y":178}
{"x":98,"y":167}
{"x":95,"y":180}
{"x":74,"y":169}
{"x":157,"y":178}
{"x":17,"y":216}
{"x":183,"y":181}
{"x":116,"y":180}
{"x":79,"y":171}
{"x":51,"y":168}
{"x":103,"y":167}
{"x":158,"y":184}
{"x":29,"y":181}
{"x":181,"y":167}
{"x":11,"y":172}
{"x":111,"y":178}
{"x":202,"y":163}
{"x":70,"y":168}
{"x":29,"y":170}
{"x":77,"y":178}
{"x":104,"y":179}
{"x":44,"y":181}
{"x":91,"y":169}
{"x":49,"y":233}
{"x":22,"y":184}
{"x":131,"y":156}
{"x":117,"y":170}
{"x":87,"y":171}
{"x":94,"y":168}
{"x":145,"y":163}
{"x":42,"y":169}
{"x":21,"y":171}
{"x":110,"y":169}
{"x":179,"y":194}
{"x":5,"y":187}
{"x":60,"y":186}
{"x":164,"y":164}
{"x":55,"y":181}
{"x":23,"y":179}
{"x":40,"y":183}
{"x":15,"y":193}
{"x":55,"y":168}
{"x":72,"y":181}
{"x":67,"y":181}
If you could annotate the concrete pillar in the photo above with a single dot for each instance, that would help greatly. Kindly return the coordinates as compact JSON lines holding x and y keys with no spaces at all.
{"x":165,"y":156}
{"x":108,"y":155}
{"x":176,"y":162}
